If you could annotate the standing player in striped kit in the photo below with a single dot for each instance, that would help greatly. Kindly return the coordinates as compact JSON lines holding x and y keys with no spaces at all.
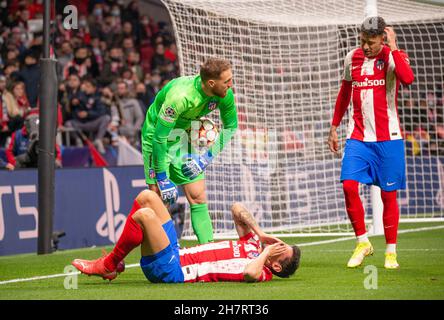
{"x":149,"y":224}
{"x":374,"y":150}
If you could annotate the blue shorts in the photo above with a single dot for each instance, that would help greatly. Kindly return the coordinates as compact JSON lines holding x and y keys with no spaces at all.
{"x":375,"y":163}
{"x":164,"y":266}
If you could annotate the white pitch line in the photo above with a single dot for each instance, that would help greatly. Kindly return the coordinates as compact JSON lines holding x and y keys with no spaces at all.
{"x":397,"y":249}
{"x":59,"y":275}
{"x":306,"y":244}
{"x":136,"y":264}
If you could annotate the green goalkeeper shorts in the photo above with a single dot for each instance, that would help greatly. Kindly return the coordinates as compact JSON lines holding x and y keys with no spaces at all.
{"x":174,"y":165}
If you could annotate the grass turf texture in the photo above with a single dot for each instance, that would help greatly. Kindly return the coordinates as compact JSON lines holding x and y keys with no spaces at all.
{"x":322,"y":275}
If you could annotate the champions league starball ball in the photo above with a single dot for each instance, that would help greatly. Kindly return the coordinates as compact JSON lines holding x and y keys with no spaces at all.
{"x":204,"y":133}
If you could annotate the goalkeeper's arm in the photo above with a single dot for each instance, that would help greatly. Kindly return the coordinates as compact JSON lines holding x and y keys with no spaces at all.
{"x":160,"y":147}
{"x":228,"y":115}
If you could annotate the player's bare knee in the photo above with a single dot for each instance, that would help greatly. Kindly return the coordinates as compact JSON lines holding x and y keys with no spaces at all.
{"x":198,"y":200}
{"x":146,"y":197}
{"x":236,"y":207}
{"x":144,"y":215}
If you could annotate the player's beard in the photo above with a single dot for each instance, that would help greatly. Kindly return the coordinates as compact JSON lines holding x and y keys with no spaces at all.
{"x":221,"y":93}
{"x":372,"y":53}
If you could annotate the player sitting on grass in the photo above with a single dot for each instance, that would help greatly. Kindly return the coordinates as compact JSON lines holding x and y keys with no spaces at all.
{"x":149,"y":224}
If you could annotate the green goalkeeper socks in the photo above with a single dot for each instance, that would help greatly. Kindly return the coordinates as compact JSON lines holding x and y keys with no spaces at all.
{"x":201,"y":222}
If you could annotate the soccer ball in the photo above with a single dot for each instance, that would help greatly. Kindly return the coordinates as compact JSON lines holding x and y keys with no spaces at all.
{"x":203,"y":133}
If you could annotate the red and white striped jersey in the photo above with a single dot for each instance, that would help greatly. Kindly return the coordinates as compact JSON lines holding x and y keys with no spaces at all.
{"x":222,"y":260}
{"x":373,"y":85}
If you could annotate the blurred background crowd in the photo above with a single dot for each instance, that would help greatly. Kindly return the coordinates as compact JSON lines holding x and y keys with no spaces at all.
{"x":111,"y":64}
{"x":110,"y":67}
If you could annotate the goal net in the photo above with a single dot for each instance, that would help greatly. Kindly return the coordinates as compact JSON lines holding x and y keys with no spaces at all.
{"x":287,"y":58}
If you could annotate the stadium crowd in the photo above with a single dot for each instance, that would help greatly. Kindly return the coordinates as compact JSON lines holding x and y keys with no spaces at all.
{"x":109,"y":69}
{"x":422,"y":121}
{"x":111,"y":65}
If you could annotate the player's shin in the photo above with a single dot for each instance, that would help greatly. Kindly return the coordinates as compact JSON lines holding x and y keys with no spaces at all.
{"x":131,"y":237}
{"x":354,"y":207}
{"x":201,"y":223}
{"x":390,"y":218}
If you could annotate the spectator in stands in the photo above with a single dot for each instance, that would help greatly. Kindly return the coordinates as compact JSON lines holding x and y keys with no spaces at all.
{"x":409,"y":115}
{"x":171,"y":52}
{"x":436,"y":123}
{"x":83,"y":53}
{"x":65,"y":56}
{"x":153,"y":83}
{"x":133,"y":62}
{"x":127,"y":32}
{"x":97,"y":52}
{"x":109,"y":100}
{"x":89,"y":113}
{"x":113,"y":67}
{"x":130,"y":79}
{"x":79,"y":64}
{"x":159,"y":61}
{"x":19,"y":93}
{"x":131,"y":116}
{"x":147,"y":28}
{"x":111,"y":31}
{"x":30,"y":75}
{"x":143,"y":97}
{"x":12,"y":54}
{"x":131,"y":13}
{"x":70,"y":91}
{"x":10,"y":118}
{"x":128,"y":45}
{"x":11,"y":71}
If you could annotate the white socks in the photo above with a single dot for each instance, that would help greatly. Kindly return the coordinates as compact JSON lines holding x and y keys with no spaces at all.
{"x":391,"y":248}
{"x":362,"y":238}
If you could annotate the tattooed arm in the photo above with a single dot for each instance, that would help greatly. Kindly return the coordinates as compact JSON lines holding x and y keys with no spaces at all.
{"x":245,"y":223}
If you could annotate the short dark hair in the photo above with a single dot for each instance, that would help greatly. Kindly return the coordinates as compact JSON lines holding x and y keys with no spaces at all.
{"x":213,"y":67}
{"x":90,"y":80}
{"x":289,"y":265}
{"x":373,"y":26}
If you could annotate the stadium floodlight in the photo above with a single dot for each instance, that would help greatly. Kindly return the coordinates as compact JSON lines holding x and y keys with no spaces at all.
{"x":287,"y":58}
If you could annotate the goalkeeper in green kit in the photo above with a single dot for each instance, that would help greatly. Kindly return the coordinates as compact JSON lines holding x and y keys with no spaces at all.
{"x":169,"y":160}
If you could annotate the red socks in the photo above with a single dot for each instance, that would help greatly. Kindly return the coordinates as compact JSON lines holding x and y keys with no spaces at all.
{"x":353,"y":203}
{"x":390,"y":216}
{"x":355,"y":211}
{"x":131,"y":237}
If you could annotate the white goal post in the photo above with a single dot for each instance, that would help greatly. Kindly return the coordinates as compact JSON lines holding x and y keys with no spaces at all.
{"x":287,"y":58}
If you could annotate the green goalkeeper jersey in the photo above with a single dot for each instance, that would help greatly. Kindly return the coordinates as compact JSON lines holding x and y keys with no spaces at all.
{"x":179,"y":103}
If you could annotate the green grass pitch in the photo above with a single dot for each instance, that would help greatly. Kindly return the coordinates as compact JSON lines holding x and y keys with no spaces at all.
{"x":322,"y":274}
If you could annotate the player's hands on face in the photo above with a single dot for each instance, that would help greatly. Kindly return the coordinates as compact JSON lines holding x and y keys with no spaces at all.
{"x":390,"y":38}
{"x":167,"y":188}
{"x":333,"y":143}
{"x":276,"y":249}
{"x":195,"y":164}
{"x":268,"y":239}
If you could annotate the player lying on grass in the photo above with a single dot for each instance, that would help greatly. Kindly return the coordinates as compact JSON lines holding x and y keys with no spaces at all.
{"x":149,"y":224}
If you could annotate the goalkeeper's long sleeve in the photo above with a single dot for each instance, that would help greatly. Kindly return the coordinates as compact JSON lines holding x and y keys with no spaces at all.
{"x":160,"y":146}
{"x":228,"y":116}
